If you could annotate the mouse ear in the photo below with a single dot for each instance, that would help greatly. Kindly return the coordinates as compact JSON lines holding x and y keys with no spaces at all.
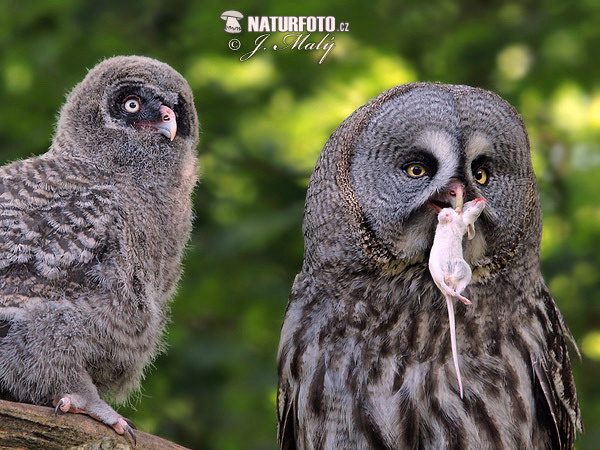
{"x":470,"y":231}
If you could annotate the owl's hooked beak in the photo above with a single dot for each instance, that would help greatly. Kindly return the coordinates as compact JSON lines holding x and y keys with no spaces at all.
{"x":453,"y":196}
{"x":167,"y":125}
{"x":456,"y":194}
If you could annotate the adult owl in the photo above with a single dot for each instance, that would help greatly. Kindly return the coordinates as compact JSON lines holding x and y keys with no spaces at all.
{"x":365,"y":358}
{"x":91,"y":239}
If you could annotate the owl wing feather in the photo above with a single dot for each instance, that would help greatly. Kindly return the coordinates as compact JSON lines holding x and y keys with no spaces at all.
{"x":554,"y":382}
{"x":288,"y":429}
{"x":286,"y":419}
{"x":51,"y":227}
{"x":546,"y":397}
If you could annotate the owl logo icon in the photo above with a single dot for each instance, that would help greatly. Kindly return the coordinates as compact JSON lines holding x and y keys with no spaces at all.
{"x":232,"y":24}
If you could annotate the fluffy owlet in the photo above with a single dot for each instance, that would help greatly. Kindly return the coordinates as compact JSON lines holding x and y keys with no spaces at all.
{"x":365,"y":359}
{"x":91,"y":239}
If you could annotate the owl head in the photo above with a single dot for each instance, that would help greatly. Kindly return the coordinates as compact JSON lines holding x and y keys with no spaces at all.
{"x":395,"y":162}
{"x":129,"y":110}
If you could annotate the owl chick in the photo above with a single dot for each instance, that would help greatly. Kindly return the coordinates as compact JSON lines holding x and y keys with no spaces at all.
{"x":91,"y":239}
{"x":365,"y":358}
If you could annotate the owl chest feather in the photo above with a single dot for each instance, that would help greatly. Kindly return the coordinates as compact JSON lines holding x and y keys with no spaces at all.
{"x":381,"y":364}
{"x":156,"y":224}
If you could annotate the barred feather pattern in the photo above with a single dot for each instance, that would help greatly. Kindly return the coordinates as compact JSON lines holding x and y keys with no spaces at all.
{"x":371,"y":367}
{"x":365,"y":357}
{"x":78,"y":263}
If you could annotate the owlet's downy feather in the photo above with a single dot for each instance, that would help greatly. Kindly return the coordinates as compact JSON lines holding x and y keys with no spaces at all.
{"x":365,"y":358}
{"x":91,"y":239}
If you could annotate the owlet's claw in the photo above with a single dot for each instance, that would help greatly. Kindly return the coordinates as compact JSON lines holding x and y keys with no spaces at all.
{"x":123,"y":426}
{"x":130,"y":423}
{"x":65,"y":405}
{"x":131,"y":433}
{"x":57,"y":408}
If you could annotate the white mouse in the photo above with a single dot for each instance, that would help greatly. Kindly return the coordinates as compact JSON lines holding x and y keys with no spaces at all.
{"x":449,"y":270}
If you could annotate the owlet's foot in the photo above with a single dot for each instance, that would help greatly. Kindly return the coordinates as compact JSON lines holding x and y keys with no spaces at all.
{"x":99,"y":410}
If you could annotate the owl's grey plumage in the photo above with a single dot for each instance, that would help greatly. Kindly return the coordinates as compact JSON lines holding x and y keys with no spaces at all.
{"x":91,"y":237}
{"x":365,"y":358}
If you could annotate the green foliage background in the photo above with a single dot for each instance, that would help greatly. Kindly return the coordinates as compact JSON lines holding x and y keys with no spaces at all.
{"x":264,"y":122}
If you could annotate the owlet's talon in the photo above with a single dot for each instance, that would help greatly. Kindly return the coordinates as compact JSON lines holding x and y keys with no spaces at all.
{"x":131,"y":433}
{"x":121,"y":426}
{"x":63,"y":405}
{"x":130,"y":423}
{"x":57,"y":408}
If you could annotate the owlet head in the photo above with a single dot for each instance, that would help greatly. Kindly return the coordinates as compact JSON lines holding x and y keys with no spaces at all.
{"x":128,"y":108}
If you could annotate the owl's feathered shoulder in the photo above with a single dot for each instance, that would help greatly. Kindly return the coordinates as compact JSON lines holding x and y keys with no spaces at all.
{"x":53,"y":219}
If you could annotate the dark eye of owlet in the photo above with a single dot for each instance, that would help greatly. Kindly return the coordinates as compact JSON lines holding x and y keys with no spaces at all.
{"x":132,"y":104}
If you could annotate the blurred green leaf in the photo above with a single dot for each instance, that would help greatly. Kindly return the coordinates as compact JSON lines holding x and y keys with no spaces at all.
{"x":264,"y":122}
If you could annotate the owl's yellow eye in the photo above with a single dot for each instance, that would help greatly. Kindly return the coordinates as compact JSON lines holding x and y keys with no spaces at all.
{"x":132,"y":104}
{"x":415,"y":170}
{"x":481,"y":175}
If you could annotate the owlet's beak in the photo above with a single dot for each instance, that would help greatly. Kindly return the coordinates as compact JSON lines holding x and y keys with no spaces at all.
{"x":167,"y":125}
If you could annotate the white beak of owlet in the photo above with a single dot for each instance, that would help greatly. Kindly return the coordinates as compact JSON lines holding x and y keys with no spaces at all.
{"x":167,"y":125}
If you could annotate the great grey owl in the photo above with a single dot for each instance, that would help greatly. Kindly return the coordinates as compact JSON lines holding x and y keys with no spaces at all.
{"x":91,"y":237}
{"x":365,"y":357}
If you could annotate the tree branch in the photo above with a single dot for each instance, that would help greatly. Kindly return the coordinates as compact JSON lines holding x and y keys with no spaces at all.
{"x":30,"y":426}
